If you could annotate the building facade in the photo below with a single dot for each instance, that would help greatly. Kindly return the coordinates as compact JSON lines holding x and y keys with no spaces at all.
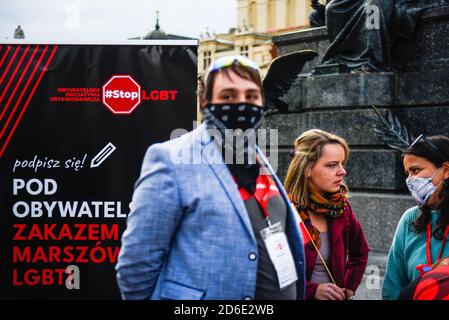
{"x":257,"y":22}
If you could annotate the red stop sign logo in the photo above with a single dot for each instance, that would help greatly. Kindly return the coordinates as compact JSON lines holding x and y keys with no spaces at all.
{"x":121,"y":94}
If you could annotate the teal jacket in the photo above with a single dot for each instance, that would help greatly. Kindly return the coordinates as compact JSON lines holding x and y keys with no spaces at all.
{"x":407,"y":251}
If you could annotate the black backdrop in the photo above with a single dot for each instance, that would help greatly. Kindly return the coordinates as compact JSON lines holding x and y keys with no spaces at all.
{"x":75,"y":131}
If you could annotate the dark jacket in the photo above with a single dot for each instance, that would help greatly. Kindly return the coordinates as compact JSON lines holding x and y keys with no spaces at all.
{"x":346,"y":239}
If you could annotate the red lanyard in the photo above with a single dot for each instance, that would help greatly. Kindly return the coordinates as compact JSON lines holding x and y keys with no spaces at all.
{"x":265,"y":189}
{"x":428,"y":240}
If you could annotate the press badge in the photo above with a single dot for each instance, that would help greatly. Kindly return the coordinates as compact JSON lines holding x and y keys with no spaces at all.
{"x":280,"y":254}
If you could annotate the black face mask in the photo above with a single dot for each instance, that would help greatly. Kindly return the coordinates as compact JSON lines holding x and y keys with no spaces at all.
{"x":234,"y":116}
{"x":227,"y":118}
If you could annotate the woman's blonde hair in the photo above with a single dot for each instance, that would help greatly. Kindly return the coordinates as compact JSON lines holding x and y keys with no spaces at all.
{"x":308,"y":149}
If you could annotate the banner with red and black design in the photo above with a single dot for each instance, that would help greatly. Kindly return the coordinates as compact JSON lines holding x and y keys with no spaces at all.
{"x":75,"y":122}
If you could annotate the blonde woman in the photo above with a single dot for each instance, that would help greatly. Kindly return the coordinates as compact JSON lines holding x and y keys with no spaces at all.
{"x":316,"y":187}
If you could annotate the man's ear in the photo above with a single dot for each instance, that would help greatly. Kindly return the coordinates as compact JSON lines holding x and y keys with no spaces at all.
{"x":203,"y":103}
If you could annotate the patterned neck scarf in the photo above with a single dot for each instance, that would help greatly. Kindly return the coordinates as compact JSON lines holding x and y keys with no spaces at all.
{"x":333,"y":205}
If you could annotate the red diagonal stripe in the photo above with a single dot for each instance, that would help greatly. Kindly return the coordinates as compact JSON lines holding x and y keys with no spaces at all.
{"x":8,"y":48}
{"x":9,"y":64}
{"x":28,"y":100}
{"x":14,"y":74}
{"x":23,"y":91}
{"x":19,"y":82}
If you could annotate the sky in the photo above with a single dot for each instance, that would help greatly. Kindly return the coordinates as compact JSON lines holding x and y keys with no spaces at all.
{"x":111,"y":20}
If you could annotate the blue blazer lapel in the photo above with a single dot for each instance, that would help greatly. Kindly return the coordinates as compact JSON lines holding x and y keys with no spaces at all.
{"x":211,"y":155}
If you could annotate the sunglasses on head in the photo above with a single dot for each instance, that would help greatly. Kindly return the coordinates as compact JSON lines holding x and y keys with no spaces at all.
{"x":424,"y":138}
{"x":226,"y":62}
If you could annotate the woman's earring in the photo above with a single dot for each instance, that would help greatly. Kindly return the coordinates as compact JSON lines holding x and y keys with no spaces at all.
{"x":292,"y":153}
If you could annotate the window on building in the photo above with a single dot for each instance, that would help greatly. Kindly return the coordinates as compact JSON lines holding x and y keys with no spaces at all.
{"x":253,"y":15}
{"x":244,"y":51}
{"x":291,"y":13}
{"x":207,"y":59}
{"x":271,"y":14}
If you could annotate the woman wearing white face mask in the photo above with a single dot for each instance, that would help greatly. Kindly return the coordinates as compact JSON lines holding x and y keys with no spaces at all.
{"x":422,"y":232}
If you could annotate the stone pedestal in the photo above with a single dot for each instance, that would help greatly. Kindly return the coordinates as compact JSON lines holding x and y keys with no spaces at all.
{"x":347,"y":90}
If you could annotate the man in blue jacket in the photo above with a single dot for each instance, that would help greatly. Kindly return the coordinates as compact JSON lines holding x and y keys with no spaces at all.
{"x":209,"y":217}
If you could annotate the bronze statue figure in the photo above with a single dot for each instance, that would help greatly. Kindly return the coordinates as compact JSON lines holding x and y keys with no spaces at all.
{"x":18,"y":33}
{"x":317,"y":15}
{"x":363,"y":32}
